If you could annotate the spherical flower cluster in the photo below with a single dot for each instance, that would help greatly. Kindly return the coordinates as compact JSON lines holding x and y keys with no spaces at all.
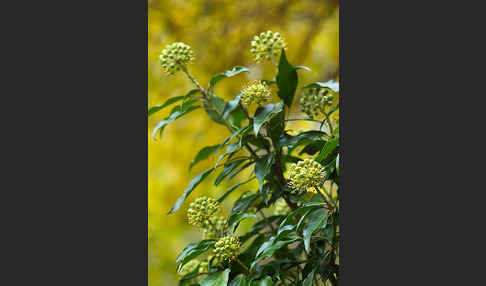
{"x":267,"y":45}
{"x":256,"y":92}
{"x":314,"y":101}
{"x":189,"y":267}
{"x":281,"y":207}
{"x":214,"y":227}
{"x":306,"y":175}
{"x":174,"y":56}
{"x":203,"y":267}
{"x":201,"y":210}
{"x":227,"y":248}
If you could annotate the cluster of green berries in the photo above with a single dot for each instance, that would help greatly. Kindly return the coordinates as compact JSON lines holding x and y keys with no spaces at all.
{"x":314,"y":101}
{"x":306,"y":175}
{"x":256,"y":92}
{"x":174,"y":56}
{"x":215,"y":226}
{"x":201,"y":210}
{"x":226,"y":248}
{"x":189,"y":267}
{"x":281,"y":207}
{"x":267,"y":45}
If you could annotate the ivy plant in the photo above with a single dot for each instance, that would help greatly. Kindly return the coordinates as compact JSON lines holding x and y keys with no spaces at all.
{"x":297,"y":174}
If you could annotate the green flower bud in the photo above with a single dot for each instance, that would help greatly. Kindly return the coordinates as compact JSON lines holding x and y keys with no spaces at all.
{"x":201,"y":210}
{"x":266,"y":45}
{"x":281,"y":207}
{"x":215,"y":226}
{"x":227,"y":248}
{"x":189,"y":267}
{"x":306,"y":175}
{"x":314,"y":101}
{"x":174,"y":56}
{"x":256,"y":92}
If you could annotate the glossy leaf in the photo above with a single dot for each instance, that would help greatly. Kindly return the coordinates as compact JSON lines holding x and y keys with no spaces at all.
{"x":332,"y":85}
{"x":229,"y":73}
{"x":309,"y":278}
{"x":264,"y":114}
{"x":327,"y":149}
{"x":227,"y":169}
{"x":216,"y":279}
{"x":317,"y":219}
{"x":176,"y":113}
{"x":192,"y":185}
{"x":155,"y":109}
{"x":193,"y":250}
{"x":203,"y":154}
{"x":243,"y":204}
{"x":263,"y":166}
{"x":286,"y":80}
{"x":240,"y":280}
{"x":235,"y":218}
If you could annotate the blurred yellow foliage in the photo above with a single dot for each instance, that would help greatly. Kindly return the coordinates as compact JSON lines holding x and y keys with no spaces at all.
{"x":219,"y":32}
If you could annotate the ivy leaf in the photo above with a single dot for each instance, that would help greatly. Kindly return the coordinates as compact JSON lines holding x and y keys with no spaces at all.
{"x":317,"y":219}
{"x":262,"y":167}
{"x":193,"y":250}
{"x":227,"y":169}
{"x":235,"y":218}
{"x":229,"y":73}
{"x":231,"y":105}
{"x":203,"y":154}
{"x":168,"y":102}
{"x":309,"y":278}
{"x":303,"y":67}
{"x":264,"y":282}
{"x":286,"y":80}
{"x":269,"y":247}
{"x":176,"y":113}
{"x":332,"y":85}
{"x":240,"y":280}
{"x":216,"y":279}
{"x":305,"y":137}
{"x":243,"y":204}
{"x":192,"y":185}
{"x":264,"y":114}
{"x":214,"y":108}
{"x":327,"y":149}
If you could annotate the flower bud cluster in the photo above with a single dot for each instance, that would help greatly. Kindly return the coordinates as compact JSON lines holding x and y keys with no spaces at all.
{"x":267,"y":45}
{"x":174,"y":56}
{"x":314,"y":101}
{"x":189,"y":267}
{"x":256,"y":92}
{"x":215,"y":226}
{"x":281,"y":207}
{"x":201,"y":210}
{"x":306,"y":175}
{"x":226,"y":248}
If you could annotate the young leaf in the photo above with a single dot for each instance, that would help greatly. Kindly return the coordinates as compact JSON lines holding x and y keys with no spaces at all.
{"x":227,"y":169}
{"x":231,"y":105}
{"x":243,"y":204}
{"x":229,"y":73}
{"x":317,"y":219}
{"x":286,"y":80}
{"x":327,"y":149}
{"x":268,"y":248}
{"x":203,"y":154}
{"x":176,"y":112}
{"x":193,"y":250}
{"x":235,"y":218}
{"x":168,"y":102}
{"x":332,"y":85}
{"x":263,"y":166}
{"x":309,"y":278}
{"x":264,"y":114}
{"x":192,"y":185}
{"x":216,"y":279}
{"x":214,"y":108}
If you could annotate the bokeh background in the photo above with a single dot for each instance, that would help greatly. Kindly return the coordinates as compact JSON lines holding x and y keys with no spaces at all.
{"x":219,"y":32}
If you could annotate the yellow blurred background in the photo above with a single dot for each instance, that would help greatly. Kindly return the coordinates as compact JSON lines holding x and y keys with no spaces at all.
{"x":219,"y":32}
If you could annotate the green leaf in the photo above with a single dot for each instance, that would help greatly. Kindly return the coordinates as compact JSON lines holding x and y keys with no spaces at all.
{"x":229,"y":73}
{"x":264,"y":282}
{"x":332,"y":85}
{"x":263,"y":166}
{"x":240,"y":280}
{"x":264,"y":114}
{"x":168,"y":102}
{"x":286,"y":80}
{"x":192,"y":185}
{"x":337,"y":163}
{"x":303,"y":138}
{"x":176,"y":113}
{"x":227,"y":169}
{"x":216,"y":279}
{"x":327,"y":149}
{"x":235,"y":218}
{"x":214,"y":108}
{"x":231,"y":105}
{"x":317,"y":219}
{"x":309,"y":278}
{"x":203,"y":154}
{"x":243,"y":204}
{"x":303,"y":67}
{"x":268,"y":248}
{"x":193,"y":250}
{"x":234,"y":173}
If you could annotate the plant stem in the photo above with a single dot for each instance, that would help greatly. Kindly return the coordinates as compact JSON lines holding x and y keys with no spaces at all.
{"x":196,"y":83}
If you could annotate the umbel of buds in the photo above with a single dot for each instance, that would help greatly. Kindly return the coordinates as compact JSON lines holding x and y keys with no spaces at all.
{"x":281,"y":207}
{"x":189,"y":267}
{"x":267,"y":45}
{"x":256,"y":92}
{"x":314,"y":101}
{"x":174,"y":56}
{"x":214,"y":227}
{"x":306,"y":175}
{"x":201,"y":210}
{"x":226,"y":248}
